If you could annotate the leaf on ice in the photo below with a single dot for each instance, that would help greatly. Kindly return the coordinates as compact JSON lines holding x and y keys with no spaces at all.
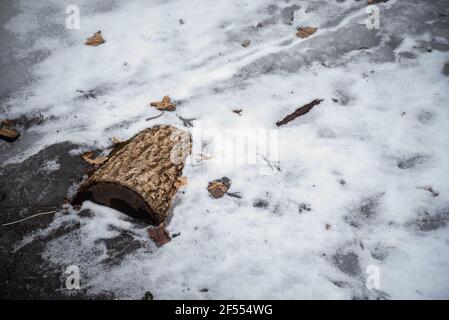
{"x":159,"y":235}
{"x":95,"y":40}
{"x":164,"y":105}
{"x":8,"y":134}
{"x":305,"y":32}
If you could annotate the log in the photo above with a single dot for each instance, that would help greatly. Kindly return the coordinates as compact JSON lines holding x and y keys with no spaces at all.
{"x":140,"y":178}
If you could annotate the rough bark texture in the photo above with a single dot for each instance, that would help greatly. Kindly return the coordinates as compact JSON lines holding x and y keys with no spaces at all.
{"x":141,"y":178}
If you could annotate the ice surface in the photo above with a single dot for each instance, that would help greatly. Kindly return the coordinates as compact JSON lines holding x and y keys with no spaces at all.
{"x":354,"y":163}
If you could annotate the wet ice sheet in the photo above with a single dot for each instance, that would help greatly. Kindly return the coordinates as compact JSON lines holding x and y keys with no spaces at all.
{"x":356,"y":163}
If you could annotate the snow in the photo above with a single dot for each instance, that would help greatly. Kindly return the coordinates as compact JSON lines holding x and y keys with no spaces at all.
{"x":52,"y":165}
{"x":385,"y":135}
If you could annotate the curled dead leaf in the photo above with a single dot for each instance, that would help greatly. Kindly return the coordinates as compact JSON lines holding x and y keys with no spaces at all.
{"x":246,"y":43}
{"x":219,"y":187}
{"x":159,"y":235}
{"x":164,"y":105}
{"x":87,"y":156}
{"x":305,"y":32}
{"x":95,"y":40}
{"x":9,"y":135}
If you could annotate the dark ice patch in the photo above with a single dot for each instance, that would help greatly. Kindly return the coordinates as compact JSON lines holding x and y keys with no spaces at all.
{"x":288,"y":13}
{"x":347,"y":262}
{"x":426,"y":221}
{"x":364,"y":212}
{"x":412,"y":161}
{"x":446,"y":69}
{"x":380,"y":252}
{"x":26,"y":189}
{"x":425,"y":116}
{"x":119,"y":247}
{"x":260,"y":203}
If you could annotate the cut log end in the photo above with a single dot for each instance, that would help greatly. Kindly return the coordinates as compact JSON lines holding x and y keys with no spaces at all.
{"x":119,"y":198}
{"x":141,"y":179}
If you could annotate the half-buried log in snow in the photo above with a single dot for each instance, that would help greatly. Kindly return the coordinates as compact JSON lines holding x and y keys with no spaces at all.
{"x":140,"y":178}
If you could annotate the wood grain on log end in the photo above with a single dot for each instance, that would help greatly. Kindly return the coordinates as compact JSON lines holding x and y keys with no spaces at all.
{"x":141,"y":178}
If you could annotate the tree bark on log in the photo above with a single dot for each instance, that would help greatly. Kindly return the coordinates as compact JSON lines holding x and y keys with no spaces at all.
{"x":140,"y":178}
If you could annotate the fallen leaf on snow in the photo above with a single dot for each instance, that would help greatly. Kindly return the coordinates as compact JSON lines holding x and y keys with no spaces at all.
{"x":159,"y":235}
{"x":164,"y":105}
{"x":95,"y":40}
{"x":87,"y":156}
{"x":304,"y":32}
{"x":9,"y":135}
{"x":219,"y":187}
{"x":246,"y":43}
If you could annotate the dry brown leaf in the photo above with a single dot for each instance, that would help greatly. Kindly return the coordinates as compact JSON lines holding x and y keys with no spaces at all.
{"x":305,"y":32}
{"x":219,"y":187}
{"x":164,"y":105}
{"x":328,"y":226}
{"x":159,"y":235}
{"x":87,"y":156}
{"x":95,"y":40}
{"x":246,"y":43}
{"x":182,"y":181}
{"x":9,"y":135}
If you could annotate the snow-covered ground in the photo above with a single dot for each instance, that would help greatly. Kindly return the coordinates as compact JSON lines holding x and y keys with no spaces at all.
{"x":350,"y":195}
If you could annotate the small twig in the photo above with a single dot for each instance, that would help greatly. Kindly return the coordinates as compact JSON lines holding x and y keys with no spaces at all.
{"x":234,"y":195}
{"x":238,"y":111}
{"x":152,"y":118}
{"x":430,"y":189}
{"x":186,"y":122}
{"x":299,"y":112}
{"x":272,"y":164}
{"x":27,"y":218}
